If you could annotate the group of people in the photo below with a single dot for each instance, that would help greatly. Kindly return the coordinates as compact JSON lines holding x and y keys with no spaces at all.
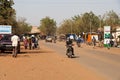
{"x":31,"y":41}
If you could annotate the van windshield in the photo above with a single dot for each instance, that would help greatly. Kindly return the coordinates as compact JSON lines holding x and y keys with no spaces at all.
{"x":6,"y":37}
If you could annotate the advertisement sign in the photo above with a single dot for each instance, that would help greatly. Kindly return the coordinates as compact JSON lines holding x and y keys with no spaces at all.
{"x":5,"y":29}
{"x":106,"y":35}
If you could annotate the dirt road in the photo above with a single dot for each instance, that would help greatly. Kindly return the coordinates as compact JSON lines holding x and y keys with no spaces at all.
{"x":101,"y":60}
{"x":43,"y":64}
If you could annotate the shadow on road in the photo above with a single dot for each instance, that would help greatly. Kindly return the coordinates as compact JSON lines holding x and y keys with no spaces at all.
{"x":76,"y":57}
{"x":35,"y":51}
{"x":9,"y":53}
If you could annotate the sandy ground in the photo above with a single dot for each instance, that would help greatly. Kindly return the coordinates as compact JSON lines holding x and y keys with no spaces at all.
{"x":43,"y":64}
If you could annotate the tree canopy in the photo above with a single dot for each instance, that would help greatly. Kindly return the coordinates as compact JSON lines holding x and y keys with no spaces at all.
{"x":7,"y":13}
{"x":48,"y":26}
{"x":8,"y":17}
{"x":89,"y":22}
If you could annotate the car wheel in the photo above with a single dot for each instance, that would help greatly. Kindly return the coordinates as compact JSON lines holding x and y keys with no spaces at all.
{"x":2,"y":51}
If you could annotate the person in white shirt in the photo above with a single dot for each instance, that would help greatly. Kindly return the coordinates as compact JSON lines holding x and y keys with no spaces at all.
{"x":15,"y":40}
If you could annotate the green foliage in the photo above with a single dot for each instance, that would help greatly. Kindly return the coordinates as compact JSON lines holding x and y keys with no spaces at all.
{"x":7,"y":13}
{"x":65,"y":27}
{"x":48,"y":26}
{"x":22,"y":27}
{"x":112,"y":19}
{"x":8,"y":17}
{"x":89,"y":22}
{"x":80,"y":24}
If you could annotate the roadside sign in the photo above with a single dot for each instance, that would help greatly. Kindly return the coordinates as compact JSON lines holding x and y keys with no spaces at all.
{"x":106,"y":35}
{"x":5,"y":29}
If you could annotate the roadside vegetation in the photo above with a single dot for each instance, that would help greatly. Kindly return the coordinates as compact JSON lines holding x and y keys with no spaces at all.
{"x":84,"y":22}
{"x":8,"y":17}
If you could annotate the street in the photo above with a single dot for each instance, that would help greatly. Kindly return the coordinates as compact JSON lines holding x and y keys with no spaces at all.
{"x":50,"y":63}
{"x":101,"y":60}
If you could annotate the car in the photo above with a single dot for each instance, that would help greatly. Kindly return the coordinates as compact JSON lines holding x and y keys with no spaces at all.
{"x":48,"y":39}
{"x":6,"y":44}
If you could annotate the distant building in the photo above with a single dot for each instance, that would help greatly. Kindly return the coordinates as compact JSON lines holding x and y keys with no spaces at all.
{"x":35,"y":30}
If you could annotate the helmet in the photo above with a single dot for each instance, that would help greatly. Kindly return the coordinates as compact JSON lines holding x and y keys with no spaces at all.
{"x":32,"y":36}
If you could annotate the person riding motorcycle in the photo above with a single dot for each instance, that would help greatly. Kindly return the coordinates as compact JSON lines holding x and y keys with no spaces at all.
{"x":78,"y":41}
{"x":69,"y":42}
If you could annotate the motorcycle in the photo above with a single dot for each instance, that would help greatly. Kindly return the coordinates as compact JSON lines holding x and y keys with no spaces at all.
{"x":70,"y":51}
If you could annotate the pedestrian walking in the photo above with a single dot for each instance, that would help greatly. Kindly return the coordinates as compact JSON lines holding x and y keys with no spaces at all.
{"x":15,"y":40}
{"x":36,"y":42}
{"x":30,"y":43}
{"x":33,"y":41}
{"x":108,"y":44}
{"x":94,"y":42}
{"x":25,"y":42}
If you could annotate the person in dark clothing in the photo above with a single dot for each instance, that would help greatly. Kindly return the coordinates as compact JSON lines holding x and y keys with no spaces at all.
{"x":78,"y":41}
{"x":25,"y":42}
{"x":111,"y":43}
{"x":69,"y":42}
{"x":33,"y":41}
{"x":30,"y":43}
{"x":94,"y":41}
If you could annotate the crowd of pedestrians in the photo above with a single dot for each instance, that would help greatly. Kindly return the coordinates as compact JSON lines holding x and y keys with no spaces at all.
{"x":30,"y":42}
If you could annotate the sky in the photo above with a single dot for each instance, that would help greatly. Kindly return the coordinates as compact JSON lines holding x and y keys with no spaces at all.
{"x":59,"y":10}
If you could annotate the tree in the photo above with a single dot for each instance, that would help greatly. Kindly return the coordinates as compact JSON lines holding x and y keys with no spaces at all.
{"x":65,"y":27}
{"x":81,"y":23}
{"x":90,"y":21}
{"x":86,"y":22}
{"x":7,"y":13}
{"x":22,"y":26}
{"x":48,"y":26}
{"x":112,"y":19}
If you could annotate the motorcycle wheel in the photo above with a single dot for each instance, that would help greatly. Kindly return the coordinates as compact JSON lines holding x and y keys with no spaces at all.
{"x":69,"y":54}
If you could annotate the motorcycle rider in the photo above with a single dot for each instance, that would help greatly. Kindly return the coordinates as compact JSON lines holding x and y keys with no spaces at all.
{"x":69,"y":42}
{"x":78,"y":41}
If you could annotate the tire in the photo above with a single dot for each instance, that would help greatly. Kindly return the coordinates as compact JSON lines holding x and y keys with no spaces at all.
{"x":2,"y":51}
{"x":69,"y":54}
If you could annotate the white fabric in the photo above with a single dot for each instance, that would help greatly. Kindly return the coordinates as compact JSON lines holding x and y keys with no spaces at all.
{"x":71,"y":37}
{"x":14,"y":40}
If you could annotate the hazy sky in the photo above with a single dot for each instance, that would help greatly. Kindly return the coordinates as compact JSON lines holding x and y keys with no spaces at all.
{"x":59,"y":10}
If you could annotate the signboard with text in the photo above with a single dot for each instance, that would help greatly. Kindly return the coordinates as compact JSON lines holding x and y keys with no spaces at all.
{"x":106,"y":35}
{"x":5,"y":29}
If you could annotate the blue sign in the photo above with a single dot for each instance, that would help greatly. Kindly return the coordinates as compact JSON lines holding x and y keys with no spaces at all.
{"x":5,"y":29}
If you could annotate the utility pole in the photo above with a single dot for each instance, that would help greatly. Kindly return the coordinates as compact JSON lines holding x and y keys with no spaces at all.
{"x":90,"y":24}
{"x":71,"y":26}
{"x":90,"y":27}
